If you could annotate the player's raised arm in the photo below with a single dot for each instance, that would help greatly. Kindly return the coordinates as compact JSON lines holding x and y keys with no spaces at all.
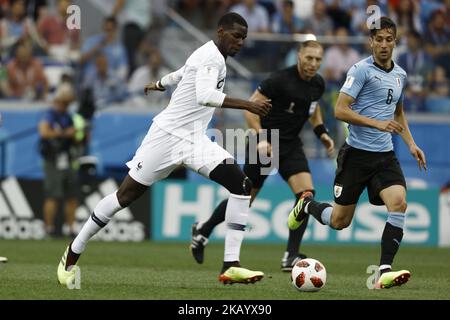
{"x":260,"y":108}
{"x":407,"y":137}
{"x":258,"y":105}
{"x":321,"y":131}
{"x":169,"y":80}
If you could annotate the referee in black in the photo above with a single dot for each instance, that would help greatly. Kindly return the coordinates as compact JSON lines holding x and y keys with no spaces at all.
{"x":295,"y":93}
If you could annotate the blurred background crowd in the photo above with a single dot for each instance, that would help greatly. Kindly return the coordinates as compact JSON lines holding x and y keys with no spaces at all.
{"x":118,"y":48}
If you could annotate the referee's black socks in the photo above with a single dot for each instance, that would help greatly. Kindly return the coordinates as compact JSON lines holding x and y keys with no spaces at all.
{"x":216,"y":218}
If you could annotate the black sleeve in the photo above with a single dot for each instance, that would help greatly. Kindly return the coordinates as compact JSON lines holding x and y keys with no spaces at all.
{"x":322,"y":86}
{"x":268,"y":87}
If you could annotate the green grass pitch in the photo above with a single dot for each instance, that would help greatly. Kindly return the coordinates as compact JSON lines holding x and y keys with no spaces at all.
{"x":166,"y":271}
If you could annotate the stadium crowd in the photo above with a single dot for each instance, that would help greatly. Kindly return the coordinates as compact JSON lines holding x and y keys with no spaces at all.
{"x":113,"y":64}
{"x":423,"y":48}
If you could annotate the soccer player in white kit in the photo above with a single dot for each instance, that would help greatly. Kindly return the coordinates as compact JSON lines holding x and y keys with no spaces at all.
{"x":178,"y":137}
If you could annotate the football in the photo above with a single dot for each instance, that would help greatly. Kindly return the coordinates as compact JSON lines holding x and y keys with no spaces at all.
{"x":309,"y":275}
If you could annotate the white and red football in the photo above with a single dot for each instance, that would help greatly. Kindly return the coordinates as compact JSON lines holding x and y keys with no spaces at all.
{"x":309,"y":275}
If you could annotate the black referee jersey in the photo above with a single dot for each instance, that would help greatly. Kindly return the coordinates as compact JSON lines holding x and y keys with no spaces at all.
{"x":293,"y":101}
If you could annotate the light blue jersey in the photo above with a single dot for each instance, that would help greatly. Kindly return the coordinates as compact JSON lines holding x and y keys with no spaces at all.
{"x":376,"y":93}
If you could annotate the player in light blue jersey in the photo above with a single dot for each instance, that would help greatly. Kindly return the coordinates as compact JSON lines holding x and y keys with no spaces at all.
{"x":371,"y":102}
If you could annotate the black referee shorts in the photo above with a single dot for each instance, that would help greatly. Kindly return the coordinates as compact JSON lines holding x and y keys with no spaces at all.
{"x":291,"y":162}
{"x":358,"y":169}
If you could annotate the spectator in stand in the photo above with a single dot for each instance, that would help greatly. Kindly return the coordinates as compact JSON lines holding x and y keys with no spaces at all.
{"x":406,"y":14}
{"x":137,"y":19}
{"x":107,"y":88}
{"x":5,"y":91}
{"x":257,"y":19}
{"x":26,"y":77}
{"x":286,"y":21}
{"x":437,"y":35}
{"x":339,"y":14}
{"x":447,"y":12}
{"x":320,"y":23}
{"x":151,"y":72}
{"x":359,"y":18}
{"x":60,"y":41}
{"x":36,"y":8}
{"x":437,"y":39}
{"x":339,"y":58}
{"x":255,"y":15}
{"x":106,"y":44}
{"x":440,"y":84}
{"x":16,"y":27}
{"x":214,"y":9}
{"x":419,"y":66}
{"x":4,"y":7}
{"x":427,"y":7}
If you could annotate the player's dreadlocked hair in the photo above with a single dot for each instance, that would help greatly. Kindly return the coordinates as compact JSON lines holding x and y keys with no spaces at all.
{"x":381,"y":24}
{"x":228,"y":20}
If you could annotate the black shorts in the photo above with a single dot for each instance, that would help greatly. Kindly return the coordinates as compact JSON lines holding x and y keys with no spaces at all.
{"x":358,"y":169}
{"x":292,"y":160}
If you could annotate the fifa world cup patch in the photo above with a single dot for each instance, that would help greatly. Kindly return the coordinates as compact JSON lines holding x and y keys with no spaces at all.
{"x":337,"y":190}
{"x":349,"y":82}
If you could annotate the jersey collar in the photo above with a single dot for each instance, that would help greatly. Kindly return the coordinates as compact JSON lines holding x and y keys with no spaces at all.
{"x":384,"y":69}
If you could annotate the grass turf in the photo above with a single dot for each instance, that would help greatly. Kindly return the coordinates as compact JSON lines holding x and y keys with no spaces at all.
{"x":166,"y":271}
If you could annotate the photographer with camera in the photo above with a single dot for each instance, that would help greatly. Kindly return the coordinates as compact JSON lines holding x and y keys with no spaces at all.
{"x":57,"y":134}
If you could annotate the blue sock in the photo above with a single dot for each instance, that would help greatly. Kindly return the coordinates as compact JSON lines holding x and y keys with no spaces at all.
{"x":326,"y":215}
{"x":396,"y":219}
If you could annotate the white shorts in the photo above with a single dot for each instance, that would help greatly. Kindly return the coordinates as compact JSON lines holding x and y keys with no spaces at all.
{"x":160,"y":153}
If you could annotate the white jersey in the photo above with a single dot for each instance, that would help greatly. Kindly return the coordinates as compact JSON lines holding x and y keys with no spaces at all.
{"x":185,"y":117}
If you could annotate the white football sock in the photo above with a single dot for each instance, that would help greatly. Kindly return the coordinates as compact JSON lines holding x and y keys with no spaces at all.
{"x":236,"y":217}
{"x":103,"y":213}
{"x":384,"y":267}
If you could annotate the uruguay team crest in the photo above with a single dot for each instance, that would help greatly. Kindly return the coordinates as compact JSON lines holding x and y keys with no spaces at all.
{"x":399,"y":84}
{"x":337,"y":191}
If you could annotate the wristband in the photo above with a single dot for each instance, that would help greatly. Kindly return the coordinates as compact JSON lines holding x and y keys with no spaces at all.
{"x":320,"y":130}
{"x":159,"y":85}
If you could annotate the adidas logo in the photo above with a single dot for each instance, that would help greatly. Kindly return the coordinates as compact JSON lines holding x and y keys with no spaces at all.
{"x":121,"y":228}
{"x":17,"y":219}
